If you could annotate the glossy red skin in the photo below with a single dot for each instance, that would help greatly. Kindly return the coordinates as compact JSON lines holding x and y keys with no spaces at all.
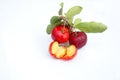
{"x":79,"y":39}
{"x":60,"y":34}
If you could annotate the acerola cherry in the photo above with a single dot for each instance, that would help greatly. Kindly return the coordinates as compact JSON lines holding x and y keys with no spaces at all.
{"x":62,"y":52}
{"x":79,"y":39}
{"x":60,"y":33}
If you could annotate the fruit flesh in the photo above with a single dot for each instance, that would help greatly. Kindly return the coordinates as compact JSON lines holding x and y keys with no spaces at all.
{"x":57,"y":50}
{"x":62,"y":52}
{"x":71,"y":50}
{"x":70,"y":53}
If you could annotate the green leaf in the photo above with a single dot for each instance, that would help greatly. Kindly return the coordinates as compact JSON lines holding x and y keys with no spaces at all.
{"x":61,"y":9}
{"x":77,"y":21}
{"x":91,"y":27}
{"x":62,"y":4}
{"x":73,"y":11}
{"x":49,"y":28}
{"x":70,"y":20}
{"x":55,"y":19}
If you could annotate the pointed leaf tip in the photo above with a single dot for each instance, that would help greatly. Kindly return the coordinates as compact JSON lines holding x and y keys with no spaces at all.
{"x":61,"y":4}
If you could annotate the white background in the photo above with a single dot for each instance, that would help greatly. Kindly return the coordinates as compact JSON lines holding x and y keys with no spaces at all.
{"x":24,"y":43}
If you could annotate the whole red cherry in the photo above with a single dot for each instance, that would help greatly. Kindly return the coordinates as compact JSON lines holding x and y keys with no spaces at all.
{"x":60,"y":33}
{"x":79,"y":39}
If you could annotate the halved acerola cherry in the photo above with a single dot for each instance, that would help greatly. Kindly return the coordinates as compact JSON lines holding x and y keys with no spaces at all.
{"x":62,"y":52}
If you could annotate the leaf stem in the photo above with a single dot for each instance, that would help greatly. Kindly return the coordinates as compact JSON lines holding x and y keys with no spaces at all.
{"x":66,"y":21}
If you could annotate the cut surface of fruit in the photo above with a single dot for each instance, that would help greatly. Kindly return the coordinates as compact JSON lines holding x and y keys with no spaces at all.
{"x":56,"y":50}
{"x":62,"y":52}
{"x":71,"y":50}
{"x":54,"y":47}
{"x":70,"y":53}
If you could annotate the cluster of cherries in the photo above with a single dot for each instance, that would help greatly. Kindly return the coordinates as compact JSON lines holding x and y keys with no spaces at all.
{"x":68,"y":35}
{"x":66,"y":42}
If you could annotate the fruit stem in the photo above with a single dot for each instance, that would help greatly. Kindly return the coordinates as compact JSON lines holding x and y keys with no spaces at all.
{"x":76,"y":33}
{"x":63,"y":30}
{"x":67,"y":43}
{"x":66,"y":21}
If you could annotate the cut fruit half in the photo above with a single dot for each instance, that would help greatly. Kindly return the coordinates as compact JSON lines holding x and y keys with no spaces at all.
{"x":62,"y":52}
